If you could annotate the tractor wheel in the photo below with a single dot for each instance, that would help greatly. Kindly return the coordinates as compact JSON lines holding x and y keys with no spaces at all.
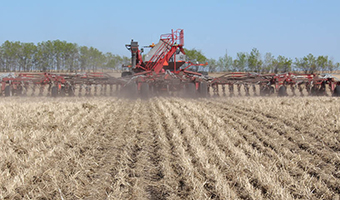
{"x":203,"y":89}
{"x":282,"y":91}
{"x":336,"y":92}
{"x":144,"y":90}
{"x":190,"y":90}
{"x":54,"y":91}
{"x":7,"y":91}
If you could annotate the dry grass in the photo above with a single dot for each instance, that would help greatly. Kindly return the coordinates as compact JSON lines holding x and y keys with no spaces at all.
{"x":170,"y":148}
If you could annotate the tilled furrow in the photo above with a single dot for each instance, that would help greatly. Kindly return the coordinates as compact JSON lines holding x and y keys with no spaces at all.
{"x":313,"y":139}
{"x":214,"y":185}
{"x":325,"y":161}
{"x":270,"y":138}
{"x":203,"y":187}
{"x":251,"y":184}
{"x":180,"y":186}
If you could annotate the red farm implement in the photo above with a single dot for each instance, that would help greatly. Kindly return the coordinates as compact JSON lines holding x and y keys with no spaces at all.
{"x":269,"y":84}
{"x":53,"y":84}
{"x":164,"y":70}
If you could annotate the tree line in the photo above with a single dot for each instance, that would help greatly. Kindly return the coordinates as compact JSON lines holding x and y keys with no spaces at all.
{"x":254,"y":62}
{"x":59,"y":55}
{"x":56,"y":55}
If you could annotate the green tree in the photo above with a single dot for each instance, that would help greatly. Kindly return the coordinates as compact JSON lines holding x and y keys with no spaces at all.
{"x":240,"y":63}
{"x":268,"y":64}
{"x":212,"y":63}
{"x":71,"y":56}
{"x":283,"y":64}
{"x":225,"y":63}
{"x":254,"y":60}
{"x":331,"y":66}
{"x":195,"y":55}
{"x":26,"y":56}
{"x":112,"y":61}
{"x":306,"y":64}
{"x":10,"y":55}
{"x":321,"y":63}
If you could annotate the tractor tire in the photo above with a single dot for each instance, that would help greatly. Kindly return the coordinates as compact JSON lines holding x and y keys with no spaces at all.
{"x":190,"y":90}
{"x":7,"y":91}
{"x":54,"y":91}
{"x":144,"y":90}
{"x":203,"y":89}
{"x":282,"y":91}
{"x":336,"y":92}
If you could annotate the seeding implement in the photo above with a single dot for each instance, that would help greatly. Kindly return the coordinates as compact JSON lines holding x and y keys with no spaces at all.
{"x":166,"y":71}
{"x":268,"y":84}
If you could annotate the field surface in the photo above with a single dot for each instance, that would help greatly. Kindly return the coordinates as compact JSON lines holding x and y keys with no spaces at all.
{"x":170,"y":148}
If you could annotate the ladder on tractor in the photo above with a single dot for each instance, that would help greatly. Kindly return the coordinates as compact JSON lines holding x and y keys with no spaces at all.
{"x":169,"y":44}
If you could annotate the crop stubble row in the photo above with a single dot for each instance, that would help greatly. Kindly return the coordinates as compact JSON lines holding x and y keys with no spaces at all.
{"x":170,"y":148}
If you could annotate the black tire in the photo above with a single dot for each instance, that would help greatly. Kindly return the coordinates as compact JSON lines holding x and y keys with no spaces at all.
{"x":190,"y":90}
{"x":263,"y":91}
{"x":271,"y":90}
{"x":54,"y":91}
{"x":282,"y":91}
{"x":7,"y":91}
{"x":144,"y":90}
{"x":62,"y":92}
{"x":19,"y":90}
{"x":203,"y":90}
{"x":336,"y":92}
{"x":314,"y":91}
{"x":71,"y":92}
{"x":126,"y":74}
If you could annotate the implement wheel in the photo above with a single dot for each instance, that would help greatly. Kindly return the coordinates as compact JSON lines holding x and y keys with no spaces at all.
{"x":203,"y":89}
{"x":282,"y":91}
{"x":190,"y":90}
{"x":54,"y":91}
{"x":336,"y":92}
{"x":144,"y":90}
{"x":130,"y":90}
{"x":7,"y":91}
{"x":314,"y":91}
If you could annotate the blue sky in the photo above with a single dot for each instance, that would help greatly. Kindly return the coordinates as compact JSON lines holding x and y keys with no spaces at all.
{"x":293,"y":28}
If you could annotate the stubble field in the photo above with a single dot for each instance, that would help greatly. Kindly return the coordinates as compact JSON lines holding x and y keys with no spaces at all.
{"x":170,"y":148}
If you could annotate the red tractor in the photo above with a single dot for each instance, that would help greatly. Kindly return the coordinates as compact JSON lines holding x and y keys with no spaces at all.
{"x":164,"y":70}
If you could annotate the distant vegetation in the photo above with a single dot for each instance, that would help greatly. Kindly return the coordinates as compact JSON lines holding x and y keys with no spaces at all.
{"x":56,"y":56}
{"x":59,"y":55}
{"x":254,"y":62}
